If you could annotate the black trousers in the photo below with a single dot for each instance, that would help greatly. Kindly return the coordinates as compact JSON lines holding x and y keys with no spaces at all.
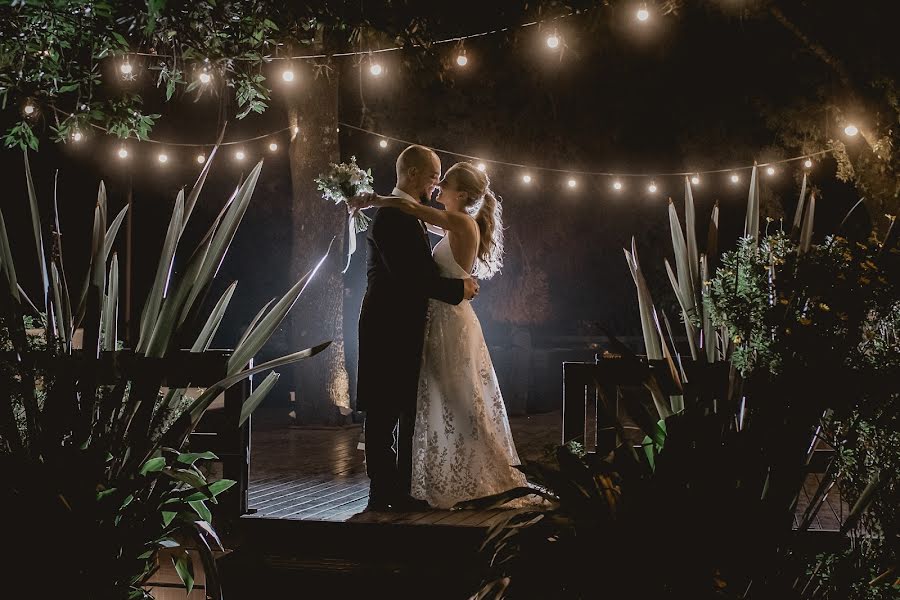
{"x":389,"y":468}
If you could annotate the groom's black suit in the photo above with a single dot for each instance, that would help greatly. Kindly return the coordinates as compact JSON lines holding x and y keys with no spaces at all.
{"x":401,"y":277}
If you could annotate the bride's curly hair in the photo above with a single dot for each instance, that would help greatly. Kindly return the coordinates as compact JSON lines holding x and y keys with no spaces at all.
{"x":484,"y":206}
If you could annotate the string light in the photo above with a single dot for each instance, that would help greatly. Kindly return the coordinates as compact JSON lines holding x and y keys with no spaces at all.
{"x":461,"y":59}
{"x":383,"y":142}
{"x":652,"y":188}
{"x":770,"y":171}
{"x":851,"y":130}
{"x":125,"y":68}
{"x":735,"y":178}
{"x":375,"y":69}
{"x":29,"y":109}
{"x":273,"y":146}
{"x":572,"y":183}
{"x":163,"y":158}
{"x":205,"y":77}
{"x":287,"y":75}
{"x":481,"y":167}
{"x":553,"y":41}
{"x":643,"y":14}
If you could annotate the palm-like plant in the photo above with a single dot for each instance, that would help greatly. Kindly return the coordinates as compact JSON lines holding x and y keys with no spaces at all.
{"x":90,"y":446}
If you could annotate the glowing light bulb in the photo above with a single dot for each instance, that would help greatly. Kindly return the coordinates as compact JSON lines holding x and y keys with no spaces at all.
{"x":163,"y":158}
{"x":201,"y":158}
{"x":205,"y":77}
{"x":807,"y":163}
{"x":461,"y":60}
{"x":526,"y":178}
{"x":273,"y":146}
{"x":735,"y":178}
{"x":287,"y":75}
{"x":240,"y":155}
{"x":851,"y":130}
{"x":29,"y":109}
{"x":553,"y":41}
{"x":125,"y":68}
{"x":572,"y":183}
{"x":643,"y":14}
{"x":481,"y":167}
{"x":123,"y":153}
{"x":770,"y":171}
{"x":617,"y":185}
{"x":652,"y":188}
{"x":77,"y":136}
{"x":695,"y":180}
{"x":383,"y":143}
{"x":375,"y":69}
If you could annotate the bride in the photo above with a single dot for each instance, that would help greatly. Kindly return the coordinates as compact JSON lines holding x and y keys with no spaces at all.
{"x":462,"y":445}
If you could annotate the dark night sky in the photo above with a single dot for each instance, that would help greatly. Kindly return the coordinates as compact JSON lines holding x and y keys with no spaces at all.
{"x":686,"y":92}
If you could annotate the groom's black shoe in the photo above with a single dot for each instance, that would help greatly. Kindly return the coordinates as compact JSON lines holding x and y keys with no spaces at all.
{"x":407,"y":503}
{"x":378,"y":503}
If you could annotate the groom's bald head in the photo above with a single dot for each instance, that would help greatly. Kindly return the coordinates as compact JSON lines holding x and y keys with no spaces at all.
{"x":418,"y":171}
{"x":416,"y":157}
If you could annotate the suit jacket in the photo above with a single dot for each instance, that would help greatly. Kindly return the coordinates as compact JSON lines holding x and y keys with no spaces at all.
{"x":401,"y":277}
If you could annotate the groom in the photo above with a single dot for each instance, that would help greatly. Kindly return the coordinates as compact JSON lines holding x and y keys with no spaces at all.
{"x":401,"y":277}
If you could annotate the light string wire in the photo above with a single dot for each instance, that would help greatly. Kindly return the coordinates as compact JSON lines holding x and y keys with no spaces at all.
{"x":595,"y":173}
{"x":450,"y":40}
{"x":535,"y":168}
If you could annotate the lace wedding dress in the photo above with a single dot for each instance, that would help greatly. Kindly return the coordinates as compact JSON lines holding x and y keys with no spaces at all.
{"x":462,"y":446}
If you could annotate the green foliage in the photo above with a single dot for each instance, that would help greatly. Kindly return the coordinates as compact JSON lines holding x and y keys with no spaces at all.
{"x":781,"y":305}
{"x":22,"y":136}
{"x":56,"y":54}
{"x":125,"y":121}
{"x":92,"y":436}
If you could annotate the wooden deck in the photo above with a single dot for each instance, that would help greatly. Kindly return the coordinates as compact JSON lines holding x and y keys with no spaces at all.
{"x":312,"y":474}
{"x":315,"y":474}
{"x":309,"y":531}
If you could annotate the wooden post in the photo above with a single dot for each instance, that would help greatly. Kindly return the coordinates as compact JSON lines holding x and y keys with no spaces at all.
{"x":574,"y":402}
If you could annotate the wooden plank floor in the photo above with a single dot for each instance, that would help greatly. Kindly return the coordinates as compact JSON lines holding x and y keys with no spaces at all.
{"x":318,"y":474}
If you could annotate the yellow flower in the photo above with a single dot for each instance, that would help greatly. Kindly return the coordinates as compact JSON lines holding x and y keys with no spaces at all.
{"x":824,"y":307}
{"x":805,"y":321}
{"x":865,"y":280}
{"x":842,"y":316}
{"x":737,"y":339}
{"x":783,"y":301}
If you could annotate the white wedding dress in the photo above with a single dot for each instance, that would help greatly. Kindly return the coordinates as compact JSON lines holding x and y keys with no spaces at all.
{"x":462,"y":445}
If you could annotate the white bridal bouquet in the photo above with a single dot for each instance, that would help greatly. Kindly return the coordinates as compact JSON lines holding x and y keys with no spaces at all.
{"x":339,"y":184}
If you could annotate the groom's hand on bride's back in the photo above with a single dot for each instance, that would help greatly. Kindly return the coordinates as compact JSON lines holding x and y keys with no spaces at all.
{"x":470,"y":288}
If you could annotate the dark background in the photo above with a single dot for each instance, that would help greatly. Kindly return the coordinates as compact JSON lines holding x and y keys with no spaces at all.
{"x":688,"y":92}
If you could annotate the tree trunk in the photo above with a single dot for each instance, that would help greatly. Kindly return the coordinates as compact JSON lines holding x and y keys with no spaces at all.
{"x":322,"y":384}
